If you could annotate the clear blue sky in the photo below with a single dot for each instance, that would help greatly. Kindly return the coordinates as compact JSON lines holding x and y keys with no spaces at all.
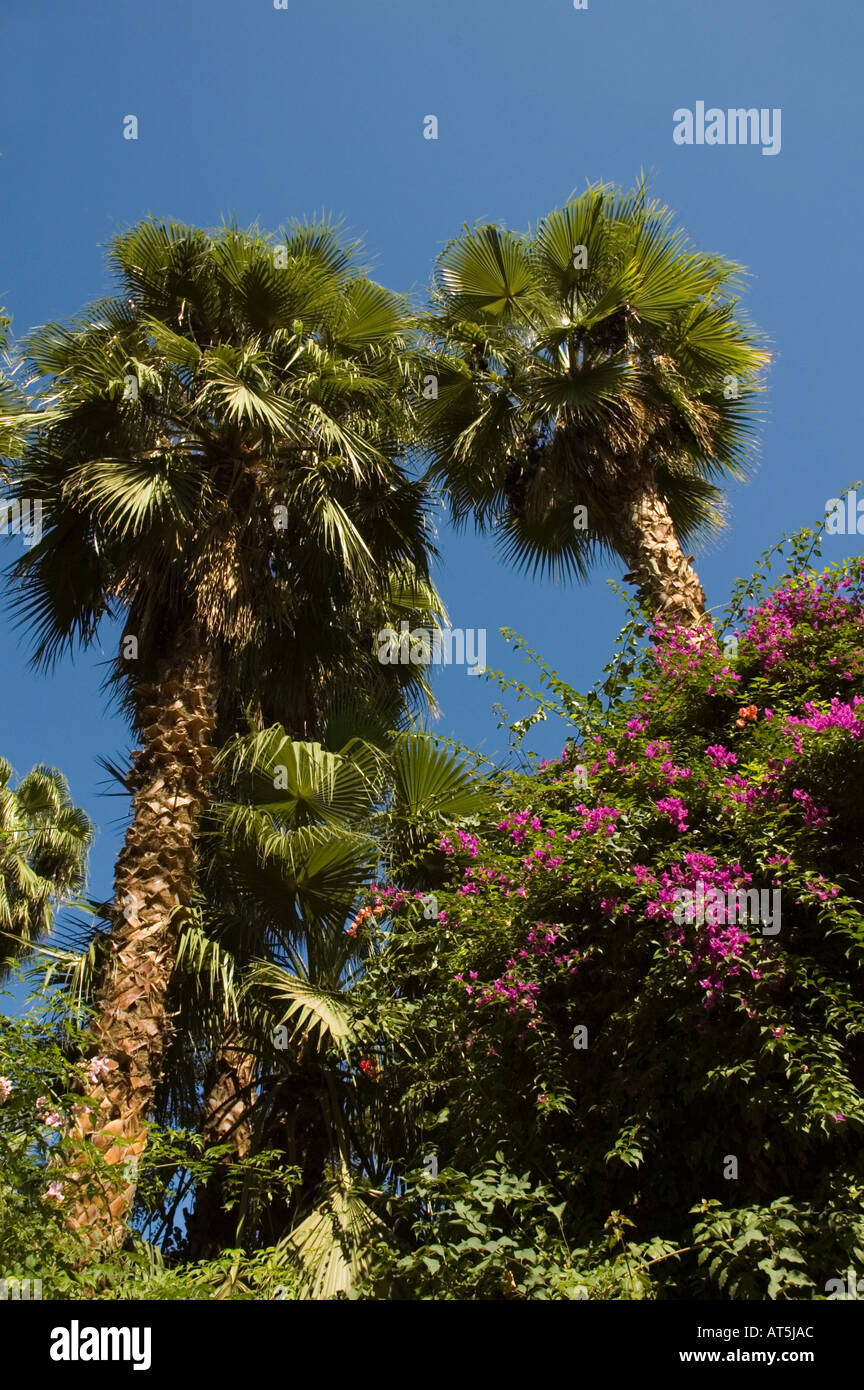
{"x":266,"y":114}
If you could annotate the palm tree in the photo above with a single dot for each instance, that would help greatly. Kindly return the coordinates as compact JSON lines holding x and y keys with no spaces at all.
{"x":599,"y":363}
{"x":293,"y":835}
{"x":217,"y":451}
{"x":285,"y":870}
{"x":12,"y":403}
{"x":44,"y":842}
{"x":268,"y":952}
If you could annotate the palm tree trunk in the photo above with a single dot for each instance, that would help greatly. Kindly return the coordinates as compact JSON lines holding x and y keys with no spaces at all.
{"x":209,"y":1227}
{"x":665,"y":577}
{"x":229,"y":1095}
{"x":154,"y":882}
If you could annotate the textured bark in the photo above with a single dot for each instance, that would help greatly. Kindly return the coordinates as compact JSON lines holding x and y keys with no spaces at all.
{"x":154,"y":881}
{"x":229,"y":1093}
{"x":665,"y":577}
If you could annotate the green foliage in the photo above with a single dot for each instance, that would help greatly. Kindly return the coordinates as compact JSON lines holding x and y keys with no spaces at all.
{"x":40,"y":1086}
{"x":44,"y":842}
{"x":477,"y":1237}
{"x":618,"y":1102}
{"x":36,"y":1085}
{"x":219,"y":445}
{"x":695,"y":1092}
{"x":783,"y":1243}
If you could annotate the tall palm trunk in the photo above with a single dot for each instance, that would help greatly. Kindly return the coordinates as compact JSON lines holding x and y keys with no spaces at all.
{"x":227,"y":1097}
{"x":154,"y":882}
{"x":663,"y":574}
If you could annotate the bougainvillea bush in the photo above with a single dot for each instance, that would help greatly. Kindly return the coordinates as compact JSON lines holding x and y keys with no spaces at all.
{"x":620,"y":1084}
{"x":608,"y":1042}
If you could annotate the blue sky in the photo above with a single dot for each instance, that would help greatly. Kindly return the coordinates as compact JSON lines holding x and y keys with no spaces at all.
{"x":264,"y":114}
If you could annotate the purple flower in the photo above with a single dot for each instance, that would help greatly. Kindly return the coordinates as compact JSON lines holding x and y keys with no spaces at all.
{"x":675,"y":810}
{"x":720,"y":756}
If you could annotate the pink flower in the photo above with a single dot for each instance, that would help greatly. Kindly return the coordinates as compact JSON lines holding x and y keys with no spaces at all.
{"x":675,"y":810}
{"x":96,"y":1068}
{"x":813,"y":813}
{"x":54,"y":1193}
{"x":469,"y":843}
{"x":53,"y":1120}
{"x":720,"y":756}
{"x":5,"y":1089}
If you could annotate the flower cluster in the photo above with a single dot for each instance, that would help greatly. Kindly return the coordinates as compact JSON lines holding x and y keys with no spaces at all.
{"x":712,"y":948}
{"x":821,"y":889}
{"x":467,"y":842}
{"x":720,"y":756}
{"x":741,"y":791}
{"x":840,"y":715}
{"x":511,"y":989}
{"x":385,"y":900}
{"x":542,"y":858}
{"x":51,"y":1118}
{"x":634,"y":727}
{"x":594,"y":818}
{"x":518,"y":825}
{"x":675,"y":810}
{"x":801,"y":606}
{"x":814,"y":814}
{"x":680,"y":652}
{"x":97,"y":1067}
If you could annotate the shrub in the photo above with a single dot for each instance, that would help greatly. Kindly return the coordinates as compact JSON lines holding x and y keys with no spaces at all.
{"x":616,"y":1096}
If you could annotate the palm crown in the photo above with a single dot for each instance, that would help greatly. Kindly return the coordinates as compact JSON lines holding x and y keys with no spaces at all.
{"x":44,"y":841}
{"x":218,"y":444}
{"x":580,"y":365}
